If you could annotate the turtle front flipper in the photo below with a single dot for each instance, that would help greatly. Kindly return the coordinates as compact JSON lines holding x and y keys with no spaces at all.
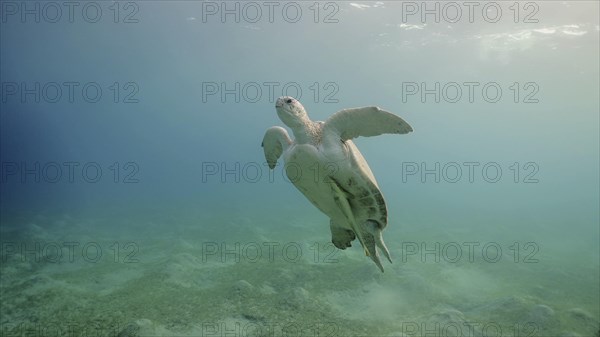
{"x":276,"y":141}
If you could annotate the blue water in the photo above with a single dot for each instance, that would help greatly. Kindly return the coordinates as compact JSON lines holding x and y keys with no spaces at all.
{"x":135,"y":198}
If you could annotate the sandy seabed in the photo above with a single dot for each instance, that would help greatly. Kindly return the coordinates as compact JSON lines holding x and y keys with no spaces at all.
{"x":205,"y":276}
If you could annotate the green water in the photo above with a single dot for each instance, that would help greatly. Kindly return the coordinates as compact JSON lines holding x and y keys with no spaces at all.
{"x":147,"y":210}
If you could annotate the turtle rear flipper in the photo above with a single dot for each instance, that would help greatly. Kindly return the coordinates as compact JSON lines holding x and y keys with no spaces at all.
{"x":369,"y":242}
{"x":344,"y":206}
{"x":340,"y":237}
{"x":375,"y":229}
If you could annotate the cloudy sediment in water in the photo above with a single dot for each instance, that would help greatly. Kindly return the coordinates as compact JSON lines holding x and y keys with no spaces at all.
{"x":136,"y":199}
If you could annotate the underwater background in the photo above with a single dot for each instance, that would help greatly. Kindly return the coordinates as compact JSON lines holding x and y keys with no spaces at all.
{"x":135,"y":199}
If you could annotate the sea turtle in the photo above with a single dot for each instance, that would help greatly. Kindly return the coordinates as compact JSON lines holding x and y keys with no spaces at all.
{"x":325,"y":165}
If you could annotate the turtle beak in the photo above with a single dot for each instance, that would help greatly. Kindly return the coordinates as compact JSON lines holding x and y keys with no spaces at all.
{"x":279,"y":103}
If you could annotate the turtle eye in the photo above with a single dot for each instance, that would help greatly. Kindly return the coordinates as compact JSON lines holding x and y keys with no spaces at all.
{"x":289,"y":100}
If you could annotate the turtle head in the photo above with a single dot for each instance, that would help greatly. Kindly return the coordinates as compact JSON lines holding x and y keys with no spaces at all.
{"x":290,"y":111}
